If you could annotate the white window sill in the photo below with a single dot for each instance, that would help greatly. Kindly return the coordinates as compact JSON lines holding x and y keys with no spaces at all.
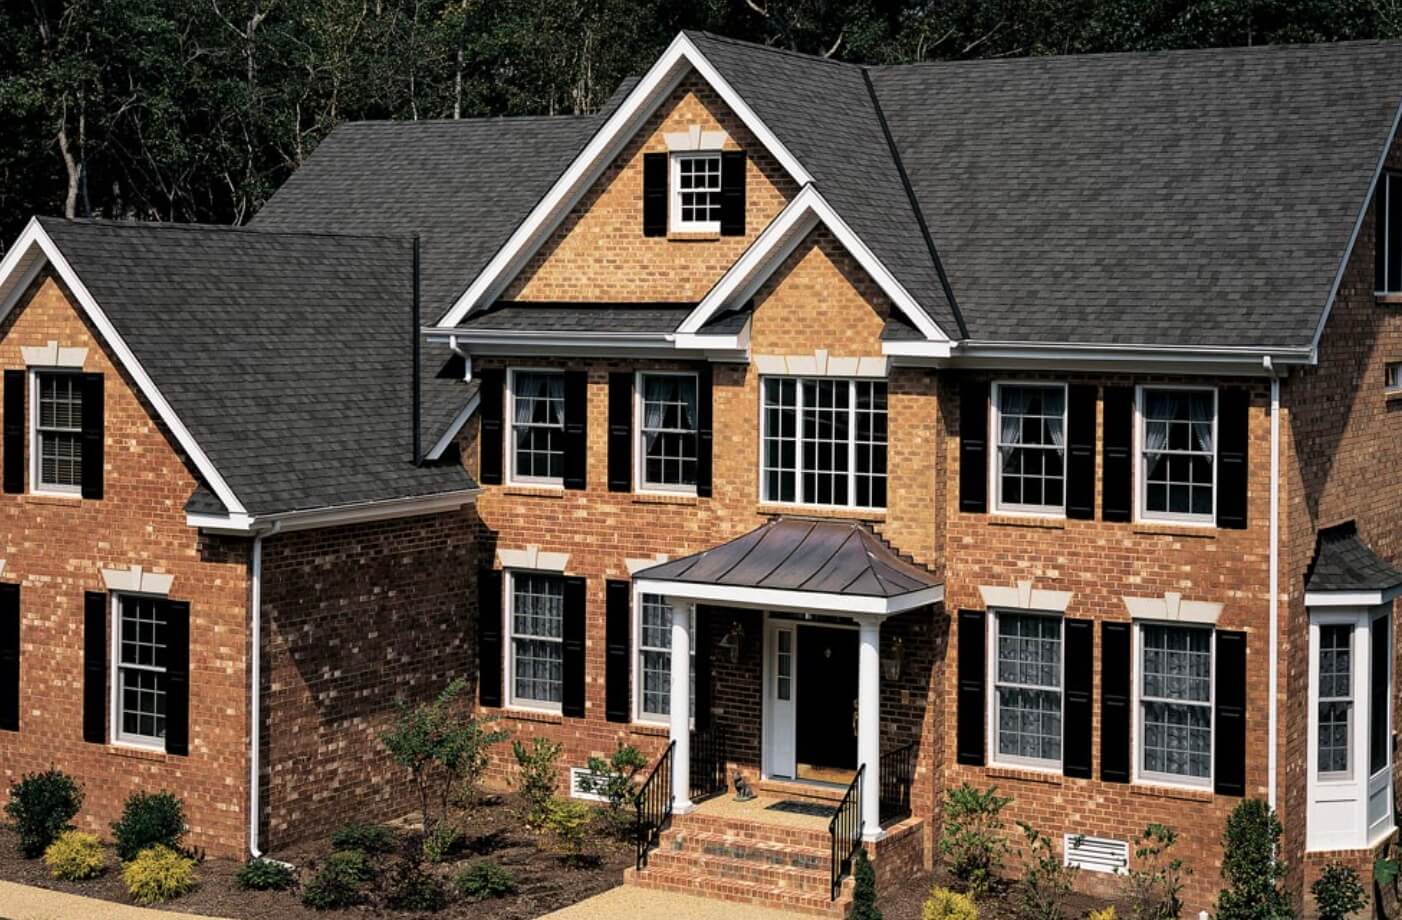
{"x":70,"y":494}
{"x":147,"y":745}
{"x":1199,"y":523}
{"x":1049,"y":514}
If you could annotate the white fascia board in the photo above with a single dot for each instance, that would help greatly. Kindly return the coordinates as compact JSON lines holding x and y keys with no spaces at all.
{"x":1351,"y":598}
{"x":454,"y":427}
{"x":680,"y":57}
{"x":283,"y":522}
{"x":915,"y":349}
{"x":772,"y":598}
{"x":1071,"y":356}
{"x":35,"y":241}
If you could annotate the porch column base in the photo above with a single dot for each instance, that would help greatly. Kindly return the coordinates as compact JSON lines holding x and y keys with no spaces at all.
{"x":868,"y":724}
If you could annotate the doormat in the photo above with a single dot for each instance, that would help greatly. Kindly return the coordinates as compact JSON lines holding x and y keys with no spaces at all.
{"x":795,"y":807}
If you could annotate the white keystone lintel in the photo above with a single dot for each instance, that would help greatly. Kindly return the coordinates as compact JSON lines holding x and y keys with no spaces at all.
{"x":1023,"y":596}
{"x":693,"y":138}
{"x":137,"y":580}
{"x":1172,"y":607}
{"x":532,"y":558}
{"x":821,"y":364}
{"x":637,"y":565}
{"x":53,"y":355}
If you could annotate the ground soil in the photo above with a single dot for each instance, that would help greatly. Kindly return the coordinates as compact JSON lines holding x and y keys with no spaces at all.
{"x":905,"y":901}
{"x":545,"y":880}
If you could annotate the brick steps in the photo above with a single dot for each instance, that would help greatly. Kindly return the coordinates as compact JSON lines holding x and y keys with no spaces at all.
{"x":754,"y":831}
{"x":743,"y":892}
{"x":773,"y":865}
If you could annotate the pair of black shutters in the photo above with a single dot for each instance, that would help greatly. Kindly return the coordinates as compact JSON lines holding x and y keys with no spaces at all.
{"x":621,"y":431}
{"x":657,"y":193}
{"x":1116,"y":667}
{"x":90,"y":385}
{"x":1117,"y":477}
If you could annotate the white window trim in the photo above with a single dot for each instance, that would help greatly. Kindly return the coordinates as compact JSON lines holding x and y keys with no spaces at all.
{"x":36,"y":487}
{"x":1010,"y":760}
{"x":1393,"y":377}
{"x":674,"y":192}
{"x":1141,"y":469}
{"x":116,"y":736}
{"x":509,"y":436}
{"x":640,"y":483}
{"x":636,"y":664}
{"x":1138,"y":775}
{"x":509,"y":646}
{"x":995,"y":464}
{"x":1359,"y":635}
{"x":851,"y":444}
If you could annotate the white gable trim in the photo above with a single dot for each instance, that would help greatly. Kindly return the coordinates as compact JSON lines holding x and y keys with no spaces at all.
{"x":19,"y":268}
{"x":680,"y":57}
{"x":454,"y":427}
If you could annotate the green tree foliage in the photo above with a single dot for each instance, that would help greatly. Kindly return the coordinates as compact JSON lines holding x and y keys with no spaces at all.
{"x":972,"y":837}
{"x":1251,"y":866}
{"x":864,"y":889}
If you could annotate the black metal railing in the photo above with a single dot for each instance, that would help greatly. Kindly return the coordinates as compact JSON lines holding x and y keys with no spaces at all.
{"x":707,"y":764}
{"x":897,"y":776}
{"x":654,"y":804}
{"x":846,"y":831}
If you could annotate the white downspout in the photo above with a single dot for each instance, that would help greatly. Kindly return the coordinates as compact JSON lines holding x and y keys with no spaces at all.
{"x":255,"y":695}
{"x":1274,"y":720}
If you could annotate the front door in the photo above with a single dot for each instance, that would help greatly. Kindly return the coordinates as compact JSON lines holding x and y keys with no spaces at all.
{"x":826,"y":710}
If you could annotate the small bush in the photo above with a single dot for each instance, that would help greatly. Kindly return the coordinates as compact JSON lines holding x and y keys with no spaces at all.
{"x":442,"y":842}
{"x":944,"y":904}
{"x":367,"y":838}
{"x":264,"y":875}
{"x":75,"y":856}
{"x":414,"y":889}
{"x":148,"y":819}
{"x":972,"y":838}
{"x":337,"y":883}
{"x":1338,"y":893}
{"x":567,"y":823}
{"x":41,"y":805}
{"x":158,"y":874}
{"x":616,"y":780}
{"x":1046,"y":881}
{"x":1105,"y":913}
{"x":483,"y":880}
{"x":864,"y":891}
{"x":536,"y":777}
{"x":353,"y":864}
{"x":1155,"y":881}
{"x":1251,"y":866}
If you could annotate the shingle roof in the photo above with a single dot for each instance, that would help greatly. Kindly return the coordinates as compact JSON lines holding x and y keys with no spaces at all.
{"x":1343,"y":562}
{"x":561,"y":316}
{"x":444,"y":392}
{"x":286,"y":355}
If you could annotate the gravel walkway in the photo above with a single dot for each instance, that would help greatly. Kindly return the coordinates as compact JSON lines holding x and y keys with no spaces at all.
{"x":629,"y":901}
{"x":21,"y":902}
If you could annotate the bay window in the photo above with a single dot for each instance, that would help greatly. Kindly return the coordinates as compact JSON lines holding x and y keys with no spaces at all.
{"x":1175,"y":704}
{"x":824,"y":441}
{"x":1334,"y":744}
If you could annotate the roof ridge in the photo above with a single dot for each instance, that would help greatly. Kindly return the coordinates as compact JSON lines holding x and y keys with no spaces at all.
{"x":475,"y":120}
{"x":251,"y":229}
{"x":789,"y":52}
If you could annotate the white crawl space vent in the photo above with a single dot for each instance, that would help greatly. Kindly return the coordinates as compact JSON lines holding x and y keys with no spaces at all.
{"x":1097,"y":854}
{"x":577,"y":791}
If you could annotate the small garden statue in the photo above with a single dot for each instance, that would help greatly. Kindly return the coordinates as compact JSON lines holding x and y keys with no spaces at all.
{"x":743,"y":792}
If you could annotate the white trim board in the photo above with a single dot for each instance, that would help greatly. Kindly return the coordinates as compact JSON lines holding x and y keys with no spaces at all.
{"x":1362,"y":598}
{"x":451,"y":433}
{"x":282,"y":522}
{"x":769,"y":598}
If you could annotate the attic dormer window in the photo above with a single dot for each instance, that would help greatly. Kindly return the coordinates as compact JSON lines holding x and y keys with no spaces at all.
{"x":696,"y":192}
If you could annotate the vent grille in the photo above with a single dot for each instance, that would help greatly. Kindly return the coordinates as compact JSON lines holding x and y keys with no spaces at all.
{"x":1097,"y":854}
{"x":577,"y":792}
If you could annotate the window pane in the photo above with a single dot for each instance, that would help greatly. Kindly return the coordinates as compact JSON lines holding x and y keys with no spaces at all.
{"x":1029,"y":686}
{"x":1031,"y":445}
{"x":669,"y":425}
{"x":698,"y":189}
{"x":537,"y":623}
{"x":1176,"y":668}
{"x":1378,"y":722}
{"x":1178,"y":452}
{"x":538,"y":424}
{"x":655,"y":657}
{"x":59,"y":430}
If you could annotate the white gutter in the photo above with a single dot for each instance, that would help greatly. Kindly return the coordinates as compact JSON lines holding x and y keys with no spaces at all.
{"x":1273,"y":722}
{"x":246,"y":524}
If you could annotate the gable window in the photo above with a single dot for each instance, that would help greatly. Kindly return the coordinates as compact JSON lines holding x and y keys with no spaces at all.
{"x":537,"y":639}
{"x":58,"y":432}
{"x":538,"y":426}
{"x":1389,"y":234}
{"x":1175,"y":703}
{"x":824,"y":441}
{"x":1393,"y":377}
{"x":141,"y":665}
{"x":1027,"y":698}
{"x":655,"y":660}
{"x":1178,"y":454}
{"x":1031,"y":455}
{"x":696,"y":192}
{"x":667,"y":431}
{"x":1334,"y":745}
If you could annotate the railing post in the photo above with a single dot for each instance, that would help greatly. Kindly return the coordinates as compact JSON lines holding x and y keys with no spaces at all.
{"x":869,"y":724}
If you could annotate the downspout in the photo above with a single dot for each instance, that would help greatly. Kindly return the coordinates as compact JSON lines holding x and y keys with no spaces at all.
{"x":1274,"y":692}
{"x":415,"y":382}
{"x":255,"y":702}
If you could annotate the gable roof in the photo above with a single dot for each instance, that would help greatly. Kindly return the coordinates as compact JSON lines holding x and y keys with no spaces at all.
{"x":1343,"y":563}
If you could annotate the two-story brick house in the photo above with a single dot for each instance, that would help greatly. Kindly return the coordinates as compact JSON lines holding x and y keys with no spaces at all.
{"x":1025,"y":423}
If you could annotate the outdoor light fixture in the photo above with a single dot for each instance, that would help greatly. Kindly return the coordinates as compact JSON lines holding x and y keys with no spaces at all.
{"x":892,"y":661}
{"x":734,"y":638}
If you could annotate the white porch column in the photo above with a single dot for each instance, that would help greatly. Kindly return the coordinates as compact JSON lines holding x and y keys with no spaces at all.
{"x":680,"y":725}
{"x":869,"y":725}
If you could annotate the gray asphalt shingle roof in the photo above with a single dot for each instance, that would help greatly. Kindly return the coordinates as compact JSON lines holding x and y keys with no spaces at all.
{"x":558,"y":316}
{"x":1343,"y":562}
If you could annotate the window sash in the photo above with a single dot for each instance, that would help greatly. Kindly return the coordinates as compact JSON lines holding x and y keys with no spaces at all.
{"x":654,"y":684}
{"x":537,"y":639}
{"x":1175,"y":737}
{"x":1028,"y":703}
{"x":1389,"y":280}
{"x":667,"y":453}
{"x":1168,"y":471}
{"x":696,"y":192}
{"x":58,"y":431}
{"x":1380,"y":694}
{"x":1013,"y":458}
{"x":824,"y":441}
{"x":1393,"y":376}
{"x":537,"y":443}
{"x":1335,"y":702}
{"x":141,"y":679}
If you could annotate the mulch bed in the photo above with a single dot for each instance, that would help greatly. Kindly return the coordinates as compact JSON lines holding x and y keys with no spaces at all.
{"x":545,"y":881}
{"x":905,"y":901}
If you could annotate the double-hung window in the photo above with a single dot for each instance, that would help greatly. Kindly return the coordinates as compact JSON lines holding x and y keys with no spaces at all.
{"x":824,"y":441}
{"x":58,"y":432}
{"x":1392,"y":377}
{"x":1178,"y":454}
{"x":1027,"y":697}
{"x":1031,"y":455}
{"x":696,"y":192}
{"x":655,"y":659}
{"x":538,"y":426}
{"x":1389,"y":233}
{"x":141,"y":670}
{"x":1334,"y":743}
{"x":667,"y":428}
{"x":537,"y":639}
{"x":1175,"y":703}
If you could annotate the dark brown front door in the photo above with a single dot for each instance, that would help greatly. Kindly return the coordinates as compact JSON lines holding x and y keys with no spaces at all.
{"x":827,"y":693}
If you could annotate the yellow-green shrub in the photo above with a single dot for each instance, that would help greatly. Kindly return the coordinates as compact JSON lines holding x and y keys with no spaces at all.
{"x":75,"y":856}
{"x":1105,"y":913}
{"x":944,"y":904}
{"x":158,"y":874}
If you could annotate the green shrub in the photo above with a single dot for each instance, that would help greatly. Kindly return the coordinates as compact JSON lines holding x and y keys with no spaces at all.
{"x":864,"y":891}
{"x":483,"y":880}
{"x":158,"y":874}
{"x":1155,"y":881}
{"x":353,"y":864}
{"x":148,"y":819}
{"x":367,"y":838}
{"x":264,"y":875}
{"x":414,"y":889}
{"x":536,"y":777}
{"x":1338,"y":893}
{"x":567,"y":823}
{"x":1046,"y":880}
{"x":1251,"y":866}
{"x":338,"y":883}
{"x":615,"y":780}
{"x":944,"y":904}
{"x":442,"y":842}
{"x":75,"y":856}
{"x":41,"y":805}
{"x":972,"y":837}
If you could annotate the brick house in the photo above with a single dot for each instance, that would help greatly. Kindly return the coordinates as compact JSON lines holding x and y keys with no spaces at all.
{"x":1022,"y":423}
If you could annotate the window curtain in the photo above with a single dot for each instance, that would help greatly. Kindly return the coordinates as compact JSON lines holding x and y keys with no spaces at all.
{"x":692,"y":420}
{"x":1055,"y":410}
{"x":1012,"y":403}
{"x":1159,"y":407}
{"x":1200,"y":409}
{"x":656,"y":392}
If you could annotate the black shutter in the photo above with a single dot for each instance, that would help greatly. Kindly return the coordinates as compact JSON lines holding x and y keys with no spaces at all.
{"x":176,"y":616}
{"x":1233,"y":420}
{"x":704,"y":436}
{"x":95,"y":667}
{"x":576,"y":429}
{"x":1117,"y":486}
{"x":9,"y":657}
{"x":1080,"y":452}
{"x":489,"y":408}
{"x":618,"y":633}
{"x":489,"y":620}
{"x":572,"y":632}
{"x":1115,"y":667}
{"x":1229,"y":732}
{"x":1080,"y":679}
{"x":621,"y":431}
{"x":92,"y":435}
{"x":701,"y":638}
{"x":973,"y":446}
{"x":655,"y":194}
{"x":971,"y":687}
{"x":732,"y":193}
{"x":14,"y":431}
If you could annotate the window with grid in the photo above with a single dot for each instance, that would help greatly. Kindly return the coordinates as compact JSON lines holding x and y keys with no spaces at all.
{"x":1335,"y":697}
{"x":1393,"y":377}
{"x":655,"y":659}
{"x":1179,"y":453}
{"x":668,"y":431}
{"x":538,"y":426}
{"x":537,"y":638}
{"x":1388,"y":235}
{"x":59,"y":432}
{"x":825,"y":441}
{"x":1031,"y":455}
{"x":141,"y":670}
{"x":1175,"y":700}
{"x":696,"y":188}
{"x":1028,"y":685}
